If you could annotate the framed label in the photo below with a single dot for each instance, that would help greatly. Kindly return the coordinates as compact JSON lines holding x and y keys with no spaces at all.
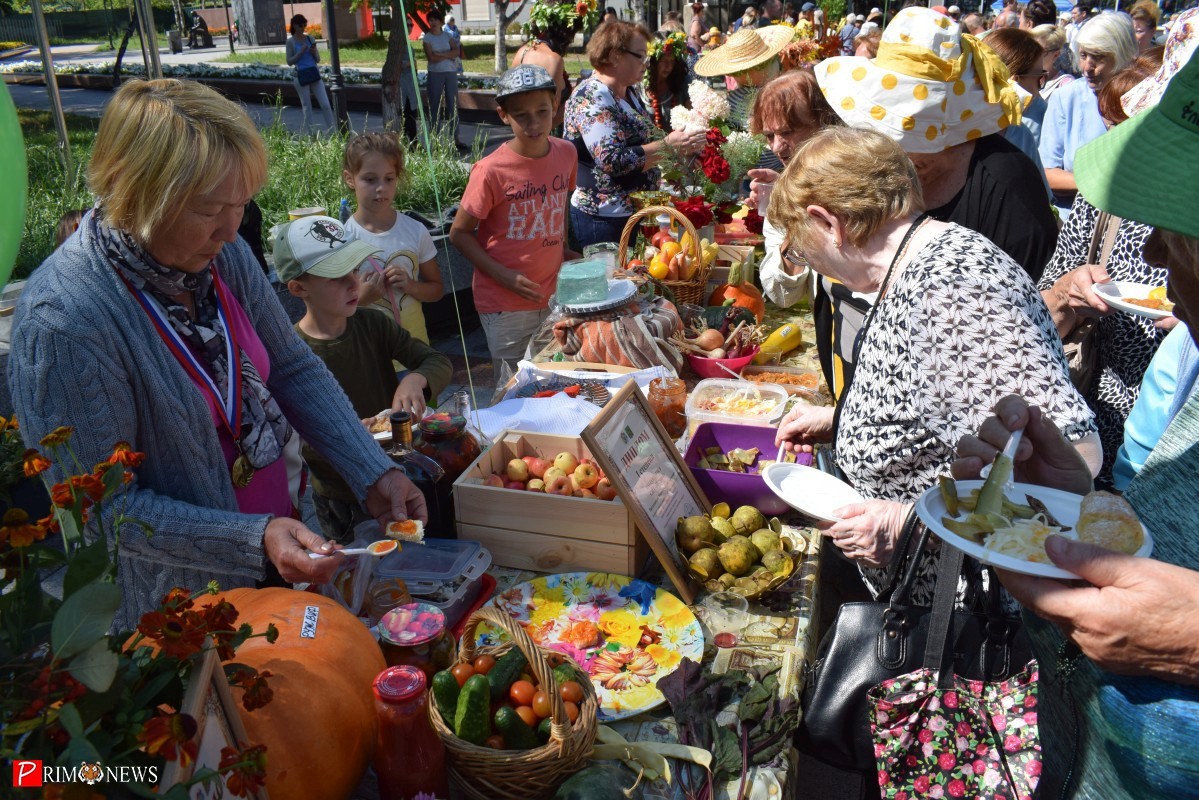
{"x":638,"y":456}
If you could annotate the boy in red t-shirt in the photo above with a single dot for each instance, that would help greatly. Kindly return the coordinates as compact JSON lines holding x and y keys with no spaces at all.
{"x":512,"y":221}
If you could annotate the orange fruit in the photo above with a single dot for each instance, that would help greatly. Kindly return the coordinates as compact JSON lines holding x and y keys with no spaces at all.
{"x":670,"y":250}
{"x":658,"y":269}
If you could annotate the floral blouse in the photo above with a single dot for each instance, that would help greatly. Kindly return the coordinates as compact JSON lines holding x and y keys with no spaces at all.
{"x":962,"y":326}
{"x":609,"y":134}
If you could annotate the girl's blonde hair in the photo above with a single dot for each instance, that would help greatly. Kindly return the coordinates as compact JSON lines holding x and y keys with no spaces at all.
{"x":386,"y":144}
{"x":161,"y":144}
{"x":862,"y":177}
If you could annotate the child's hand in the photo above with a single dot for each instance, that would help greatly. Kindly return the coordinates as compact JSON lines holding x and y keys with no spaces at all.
{"x":410,"y":395}
{"x":397,"y":279}
{"x":515,"y":282}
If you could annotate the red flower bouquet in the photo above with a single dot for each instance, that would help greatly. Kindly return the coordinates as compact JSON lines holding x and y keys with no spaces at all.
{"x":697,"y":210}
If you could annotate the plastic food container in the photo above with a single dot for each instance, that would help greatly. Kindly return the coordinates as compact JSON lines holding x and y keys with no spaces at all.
{"x":445,"y":573}
{"x":735,"y":488}
{"x":736,"y":402}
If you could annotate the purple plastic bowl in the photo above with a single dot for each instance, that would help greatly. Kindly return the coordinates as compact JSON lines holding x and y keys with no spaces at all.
{"x":736,"y":488}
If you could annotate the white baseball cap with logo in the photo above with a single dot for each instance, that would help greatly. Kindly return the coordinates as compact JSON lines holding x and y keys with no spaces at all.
{"x":317,"y":246}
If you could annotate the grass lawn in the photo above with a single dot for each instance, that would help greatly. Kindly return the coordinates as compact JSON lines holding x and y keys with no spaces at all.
{"x":480,"y":56}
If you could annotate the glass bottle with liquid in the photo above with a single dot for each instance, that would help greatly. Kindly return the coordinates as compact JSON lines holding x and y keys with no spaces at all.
{"x":425,"y":473}
{"x":409,"y":756}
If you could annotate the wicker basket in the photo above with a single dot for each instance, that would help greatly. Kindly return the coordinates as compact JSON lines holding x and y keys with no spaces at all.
{"x":482,"y":773}
{"x":689,"y":291}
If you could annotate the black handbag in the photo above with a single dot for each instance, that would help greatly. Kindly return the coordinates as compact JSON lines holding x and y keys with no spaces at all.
{"x":871,"y":642}
{"x":307,"y":75}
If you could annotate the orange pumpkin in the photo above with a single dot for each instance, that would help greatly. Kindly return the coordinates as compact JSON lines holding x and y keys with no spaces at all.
{"x":319,"y":729}
{"x":742,"y":291}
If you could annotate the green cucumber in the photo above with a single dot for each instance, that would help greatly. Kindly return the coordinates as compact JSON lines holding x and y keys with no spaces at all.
{"x":543,"y":730}
{"x":445,"y":694}
{"x":505,"y":673}
{"x":517,"y":734}
{"x":471,"y":715}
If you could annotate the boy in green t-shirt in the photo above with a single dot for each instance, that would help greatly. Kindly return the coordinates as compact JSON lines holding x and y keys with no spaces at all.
{"x":314,"y":258}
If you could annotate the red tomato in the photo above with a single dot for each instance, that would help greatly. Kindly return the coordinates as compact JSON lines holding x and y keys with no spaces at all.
{"x":483,"y":664}
{"x":572,"y":711}
{"x":495,"y":742}
{"x":522,"y":693}
{"x":462,"y":673}
{"x":541,"y":704}
{"x":571,"y":692}
{"x":528,"y":715}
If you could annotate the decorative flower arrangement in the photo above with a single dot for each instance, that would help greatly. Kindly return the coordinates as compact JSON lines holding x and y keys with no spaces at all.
{"x":74,"y":693}
{"x":572,"y":16}
{"x":675,"y":43}
{"x":805,"y":51}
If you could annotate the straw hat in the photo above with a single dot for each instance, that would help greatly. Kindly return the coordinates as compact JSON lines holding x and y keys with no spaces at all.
{"x":1180,"y":46}
{"x":744,"y":50}
{"x":930,"y":87}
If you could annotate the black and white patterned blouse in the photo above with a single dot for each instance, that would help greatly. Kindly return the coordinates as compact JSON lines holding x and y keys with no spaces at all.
{"x":1124,"y":343}
{"x":962,"y":326}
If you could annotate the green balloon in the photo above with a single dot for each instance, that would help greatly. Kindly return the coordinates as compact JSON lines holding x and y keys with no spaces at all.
{"x":12,"y":199}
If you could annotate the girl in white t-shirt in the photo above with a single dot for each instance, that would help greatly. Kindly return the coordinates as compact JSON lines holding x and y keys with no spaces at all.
{"x":406,"y":274}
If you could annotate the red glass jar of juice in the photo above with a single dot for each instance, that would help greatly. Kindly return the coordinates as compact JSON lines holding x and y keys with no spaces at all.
{"x":415,"y":635}
{"x":409,"y":756}
{"x":668,"y":399}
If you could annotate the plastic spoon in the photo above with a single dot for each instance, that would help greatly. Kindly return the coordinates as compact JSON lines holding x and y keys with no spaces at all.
{"x":379,"y":548}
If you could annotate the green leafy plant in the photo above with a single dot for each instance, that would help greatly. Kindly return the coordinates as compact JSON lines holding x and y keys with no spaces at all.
{"x":72,"y":691}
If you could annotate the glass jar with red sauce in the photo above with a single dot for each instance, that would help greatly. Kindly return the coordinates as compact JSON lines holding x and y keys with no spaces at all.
{"x":668,"y":399}
{"x":409,"y":756}
{"x":416,"y":635}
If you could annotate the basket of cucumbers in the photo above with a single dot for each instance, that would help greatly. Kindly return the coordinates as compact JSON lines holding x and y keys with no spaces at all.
{"x":516,"y":720}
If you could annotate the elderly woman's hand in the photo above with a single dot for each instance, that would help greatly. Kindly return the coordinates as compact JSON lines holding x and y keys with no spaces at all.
{"x":1138,"y":616}
{"x":287,"y":543}
{"x":869,"y":531}
{"x":761,"y":183}
{"x":1075,"y":291}
{"x":393,"y":497}
{"x":1044,"y":457}
{"x":805,"y":426}
{"x":687,"y":142}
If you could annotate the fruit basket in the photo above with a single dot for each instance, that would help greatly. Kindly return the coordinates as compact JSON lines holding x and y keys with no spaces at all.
{"x":483,"y":773}
{"x":688,"y":291}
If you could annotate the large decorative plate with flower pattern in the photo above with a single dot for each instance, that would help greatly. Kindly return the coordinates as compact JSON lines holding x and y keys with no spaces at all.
{"x":627,"y":634}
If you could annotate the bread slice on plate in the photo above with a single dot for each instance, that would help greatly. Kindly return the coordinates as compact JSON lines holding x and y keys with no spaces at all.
{"x":407,"y":530}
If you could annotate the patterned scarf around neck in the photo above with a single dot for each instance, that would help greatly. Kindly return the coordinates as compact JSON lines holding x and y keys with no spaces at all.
{"x":264,"y":429}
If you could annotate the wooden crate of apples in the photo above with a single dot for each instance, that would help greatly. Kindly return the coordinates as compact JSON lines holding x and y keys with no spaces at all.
{"x":566,"y":474}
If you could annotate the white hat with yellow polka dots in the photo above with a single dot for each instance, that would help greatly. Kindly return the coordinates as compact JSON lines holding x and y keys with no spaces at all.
{"x":929,"y":88}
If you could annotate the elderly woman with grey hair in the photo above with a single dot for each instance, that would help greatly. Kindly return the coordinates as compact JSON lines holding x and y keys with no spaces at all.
{"x":154,"y":328}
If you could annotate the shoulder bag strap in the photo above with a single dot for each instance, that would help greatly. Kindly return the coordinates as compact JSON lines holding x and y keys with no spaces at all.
{"x":901,"y":593}
{"x":1109,"y":240}
{"x":1095,"y":249}
{"x":902,"y":549}
{"x":949,"y":568}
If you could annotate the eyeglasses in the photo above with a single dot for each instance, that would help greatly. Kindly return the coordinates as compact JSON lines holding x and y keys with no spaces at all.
{"x":794,"y":257}
{"x":642,"y":57}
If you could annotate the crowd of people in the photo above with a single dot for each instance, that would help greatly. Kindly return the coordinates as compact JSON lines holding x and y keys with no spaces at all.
{"x":945,"y":194}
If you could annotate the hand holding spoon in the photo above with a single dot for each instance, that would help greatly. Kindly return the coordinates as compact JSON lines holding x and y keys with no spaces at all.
{"x":378,"y":549}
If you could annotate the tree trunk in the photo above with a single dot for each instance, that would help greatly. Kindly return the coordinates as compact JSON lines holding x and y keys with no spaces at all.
{"x":639,"y":11}
{"x":397,"y":42}
{"x":180,"y":20}
{"x":501,"y":36}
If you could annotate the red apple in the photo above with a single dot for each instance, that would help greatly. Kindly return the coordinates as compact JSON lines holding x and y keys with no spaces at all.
{"x":517,"y":485}
{"x":494,"y":480}
{"x":551,"y":473}
{"x":585,"y":493}
{"x":566,"y":462}
{"x":538,"y":466}
{"x":586,"y":475}
{"x":559,"y":485}
{"x":518,"y":470}
{"x":604,"y":490}
{"x":535,"y":485}
{"x":528,"y":460}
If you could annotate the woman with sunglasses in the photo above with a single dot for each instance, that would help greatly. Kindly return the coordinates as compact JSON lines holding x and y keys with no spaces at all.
{"x":610,"y":124}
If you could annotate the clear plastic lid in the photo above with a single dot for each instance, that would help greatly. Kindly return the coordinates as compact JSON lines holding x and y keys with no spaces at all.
{"x":733,"y":398}
{"x":435,"y":560}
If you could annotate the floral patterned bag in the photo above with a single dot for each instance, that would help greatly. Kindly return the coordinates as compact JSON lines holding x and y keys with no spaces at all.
{"x":939,"y":735}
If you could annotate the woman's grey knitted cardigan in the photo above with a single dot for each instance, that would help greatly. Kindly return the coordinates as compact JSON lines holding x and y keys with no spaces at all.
{"x":85,"y":354}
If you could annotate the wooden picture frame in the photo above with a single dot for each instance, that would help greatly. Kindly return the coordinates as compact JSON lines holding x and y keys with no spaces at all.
{"x":210,"y":703}
{"x":631,"y":445}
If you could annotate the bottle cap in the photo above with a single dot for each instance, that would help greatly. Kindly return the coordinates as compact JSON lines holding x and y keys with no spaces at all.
{"x":399,"y":684}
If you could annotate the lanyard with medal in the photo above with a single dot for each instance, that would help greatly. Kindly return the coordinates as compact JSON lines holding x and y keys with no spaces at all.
{"x":228,"y":407}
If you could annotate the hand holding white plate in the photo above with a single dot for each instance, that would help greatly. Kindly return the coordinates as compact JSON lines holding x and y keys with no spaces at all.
{"x":1064,"y":506}
{"x":810,"y":491}
{"x":1118,"y":293}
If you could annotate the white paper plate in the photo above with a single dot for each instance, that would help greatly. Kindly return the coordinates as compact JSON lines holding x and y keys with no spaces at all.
{"x":1114,"y":294}
{"x":809,"y":490}
{"x":1063,"y":506}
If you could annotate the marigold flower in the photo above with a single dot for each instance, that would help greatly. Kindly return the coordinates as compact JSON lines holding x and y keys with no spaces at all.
{"x":61,"y":495}
{"x":171,"y":736}
{"x":257,"y":693}
{"x":177,"y":599}
{"x":123,"y":453}
{"x":90,"y":485}
{"x":179,"y":635}
{"x":35,"y":463}
{"x":49,"y":522}
{"x":249,"y":774}
{"x":19,"y":531}
{"x":57,"y":437}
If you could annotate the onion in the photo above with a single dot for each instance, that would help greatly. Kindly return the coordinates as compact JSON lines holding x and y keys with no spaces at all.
{"x":717,"y":353}
{"x":710,"y":339}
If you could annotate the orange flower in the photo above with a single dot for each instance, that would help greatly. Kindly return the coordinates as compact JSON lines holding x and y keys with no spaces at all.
{"x":172,"y":736}
{"x":123,"y":453}
{"x":179,"y":635}
{"x":59,"y":436}
{"x":61,"y":495}
{"x":19,"y":531}
{"x":49,"y":522}
{"x":90,"y":485}
{"x":177,"y":600}
{"x":257,"y":693}
{"x":581,"y":634}
{"x":35,"y":463}
{"x":249,"y":774}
